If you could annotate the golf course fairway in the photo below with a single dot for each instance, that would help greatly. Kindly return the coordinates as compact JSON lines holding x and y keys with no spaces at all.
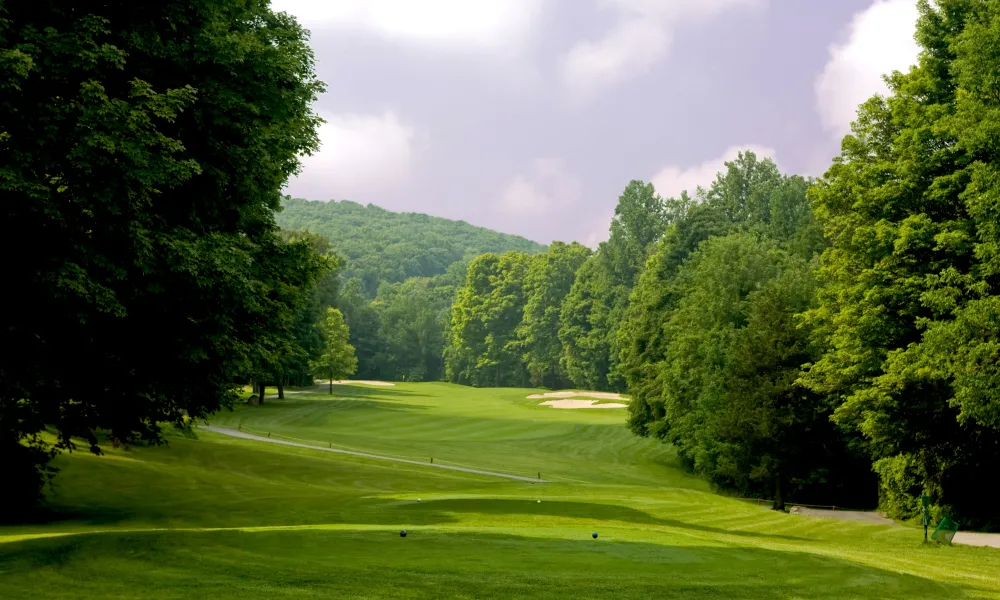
{"x":210,"y":515}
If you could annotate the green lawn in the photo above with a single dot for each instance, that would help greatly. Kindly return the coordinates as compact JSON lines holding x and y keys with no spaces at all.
{"x":219,"y":517}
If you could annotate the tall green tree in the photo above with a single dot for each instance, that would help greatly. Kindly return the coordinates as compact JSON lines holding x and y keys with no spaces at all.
{"x":145,"y":146}
{"x":729,"y":398}
{"x":290,"y":270}
{"x":337,"y":359}
{"x":910,"y":301}
{"x":362,"y":317}
{"x":546,"y":284}
{"x":749,"y":195}
{"x":482,"y":348}
{"x":641,"y":342}
{"x":412,"y":320}
{"x":599,"y":297}
{"x":306,"y":340}
{"x":585,"y":325}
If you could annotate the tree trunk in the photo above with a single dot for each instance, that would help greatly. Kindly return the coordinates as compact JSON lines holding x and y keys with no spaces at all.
{"x":281,"y":388}
{"x":331,"y":384}
{"x":779,"y":498}
{"x":263,"y":388}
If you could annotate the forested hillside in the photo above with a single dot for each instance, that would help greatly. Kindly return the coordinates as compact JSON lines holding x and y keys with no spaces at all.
{"x":398,"y":276}
{"x":384,"y":246}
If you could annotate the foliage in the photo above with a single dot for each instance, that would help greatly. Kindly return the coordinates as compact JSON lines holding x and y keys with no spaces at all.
{"x":482,"y":349}
{"x":144,"y":149}
{"x":383,"y":246}
{"x":362,"y":317}
{"x":401,"y":334}
{"x":412,"y":319}
{"x":710,"y":350}
{"x":750,"y":195}
{"x":295,"y":266}
{"x":305,"y":342}
{"x":599,"y":297}
{"x":337,"y":359}
{"x":585,"y":325}
{"x":546,"y":284}
{"x":909,"y":304}
{"x":728,"y":397}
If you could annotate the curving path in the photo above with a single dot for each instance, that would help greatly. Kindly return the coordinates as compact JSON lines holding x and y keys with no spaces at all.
{"x":259,"y":438}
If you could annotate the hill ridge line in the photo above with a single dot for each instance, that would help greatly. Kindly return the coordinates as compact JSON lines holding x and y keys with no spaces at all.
{"x":259,"y":438}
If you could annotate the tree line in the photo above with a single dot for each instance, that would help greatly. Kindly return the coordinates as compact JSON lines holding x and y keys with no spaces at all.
{"x":791,"y":337}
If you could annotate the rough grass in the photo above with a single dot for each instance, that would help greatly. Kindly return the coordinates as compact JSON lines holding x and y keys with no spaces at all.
{"x":218,"y":517}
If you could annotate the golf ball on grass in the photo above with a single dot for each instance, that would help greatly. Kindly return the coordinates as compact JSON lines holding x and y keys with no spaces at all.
{"x":402,"y":533}
{"x":594,"y":535}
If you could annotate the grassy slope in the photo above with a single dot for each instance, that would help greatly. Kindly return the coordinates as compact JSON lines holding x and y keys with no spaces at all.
{"x":226,"y":518}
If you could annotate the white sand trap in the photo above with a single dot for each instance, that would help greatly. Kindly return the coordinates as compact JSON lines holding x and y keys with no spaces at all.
{"x":577,"y":394}
{"x":581,"y":404}
{"x":355,"y":382}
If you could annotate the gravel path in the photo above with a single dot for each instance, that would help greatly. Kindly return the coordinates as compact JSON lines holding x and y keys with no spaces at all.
{"x":967,"y":538}
{"x":844,"y":515}
{"x":258,"y":438}
{"x":970,"y":538}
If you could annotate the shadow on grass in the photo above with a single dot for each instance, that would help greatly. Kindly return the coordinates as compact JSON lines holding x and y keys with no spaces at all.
{"x":357,"y":512}
{"x":429,"y":564}
{"x":577,"y":510}
{"x":333,"y":404}
{"x":349,"y":391}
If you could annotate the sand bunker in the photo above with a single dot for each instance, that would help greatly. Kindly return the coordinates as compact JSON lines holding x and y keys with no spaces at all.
{"x":355,"y":382}
{"x":576,"y":394}
{"x":581,"y":404}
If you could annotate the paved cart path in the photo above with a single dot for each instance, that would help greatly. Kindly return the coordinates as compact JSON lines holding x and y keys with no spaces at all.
{"x":260,"y":438}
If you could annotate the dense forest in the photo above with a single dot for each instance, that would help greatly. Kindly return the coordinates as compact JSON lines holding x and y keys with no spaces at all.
{"x":791,"y":338}
{"x":381,"y":246}
{"x":399,"y":273}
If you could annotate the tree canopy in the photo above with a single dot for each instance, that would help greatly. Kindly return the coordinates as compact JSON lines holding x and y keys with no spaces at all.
{"x":483,"y":347}
{"x":910,"y":293}
{"x":381,"y":246}
{"x":546,"y":284}
{"x":336,"y":360}
{"x":145,"y":146}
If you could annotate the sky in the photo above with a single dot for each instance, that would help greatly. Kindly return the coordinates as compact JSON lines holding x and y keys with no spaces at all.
{"x":531,"y":116}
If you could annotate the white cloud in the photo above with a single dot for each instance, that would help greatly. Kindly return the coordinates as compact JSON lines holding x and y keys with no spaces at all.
{"x":673,"y":179}
{"x":489,"y":24}
{"x":359,"y":154}
{"x":628,"y":50}
{"x":600,"y":229}
{"x":880,"y":40}
{"x":549,"y":187}
{"x":638,"y":41}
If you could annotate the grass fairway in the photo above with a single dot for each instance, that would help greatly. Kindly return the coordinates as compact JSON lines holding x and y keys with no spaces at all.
{"x":220,"y":517}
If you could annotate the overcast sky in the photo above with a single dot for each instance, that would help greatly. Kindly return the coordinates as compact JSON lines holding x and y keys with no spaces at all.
{"x":531,"y":116}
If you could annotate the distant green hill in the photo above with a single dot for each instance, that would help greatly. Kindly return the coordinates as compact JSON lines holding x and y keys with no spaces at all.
{"x":386,"y":246}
